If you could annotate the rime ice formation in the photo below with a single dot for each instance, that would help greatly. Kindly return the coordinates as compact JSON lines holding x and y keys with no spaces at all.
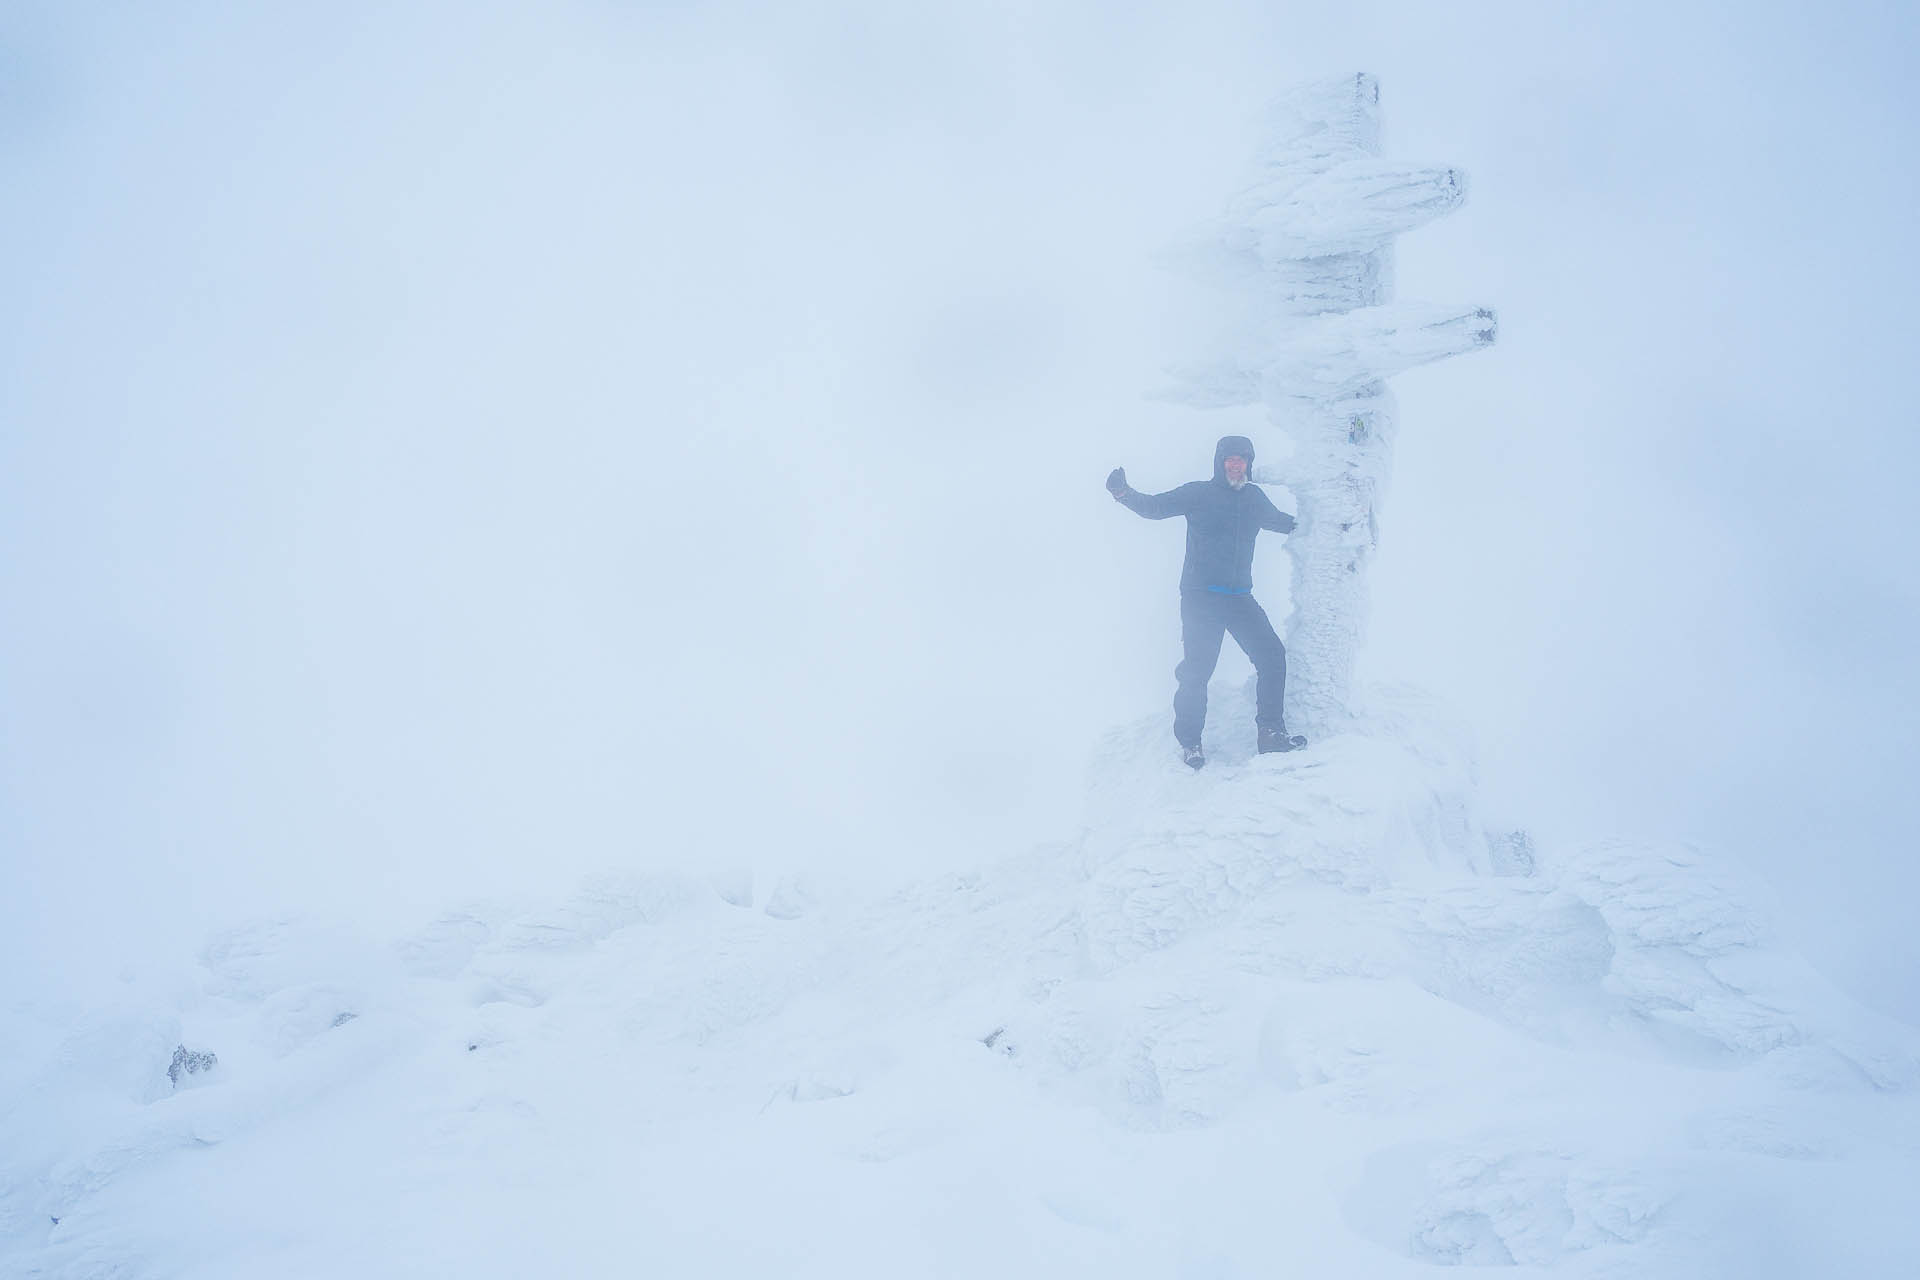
{"x":1307,"y":253}
{"x":1292,"y":1015}
{"x":1298,"y":1014}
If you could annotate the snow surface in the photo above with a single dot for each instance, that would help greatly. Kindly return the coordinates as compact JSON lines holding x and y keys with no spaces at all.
{"x":1294,"y":1015}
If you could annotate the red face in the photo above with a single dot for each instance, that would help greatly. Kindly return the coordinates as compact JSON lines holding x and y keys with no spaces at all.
{"x":1236,"y":468}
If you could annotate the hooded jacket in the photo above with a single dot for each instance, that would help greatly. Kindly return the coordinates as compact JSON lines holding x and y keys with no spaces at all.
{"x":1222,"y":522}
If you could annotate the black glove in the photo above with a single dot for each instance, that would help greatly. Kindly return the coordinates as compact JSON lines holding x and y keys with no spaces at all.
{"x":1291,"y":523}
{"x":1117,"y":481}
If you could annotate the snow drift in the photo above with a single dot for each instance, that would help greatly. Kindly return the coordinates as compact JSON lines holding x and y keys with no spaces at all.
{"x":1296,"y":1014}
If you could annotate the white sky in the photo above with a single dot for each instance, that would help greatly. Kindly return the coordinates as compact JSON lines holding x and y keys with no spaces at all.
{"x":449,"y":447}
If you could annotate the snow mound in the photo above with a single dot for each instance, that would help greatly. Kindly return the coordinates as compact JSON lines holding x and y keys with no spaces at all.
{"x":1295,"y":1013}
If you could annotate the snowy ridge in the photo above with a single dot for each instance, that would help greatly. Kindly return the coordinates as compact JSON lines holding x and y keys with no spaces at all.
{"x":1296,"y":1014}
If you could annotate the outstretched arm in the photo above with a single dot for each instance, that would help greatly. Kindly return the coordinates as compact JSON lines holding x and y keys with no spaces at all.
{"x":1154,"y":506}
{"x":1273,"y":517}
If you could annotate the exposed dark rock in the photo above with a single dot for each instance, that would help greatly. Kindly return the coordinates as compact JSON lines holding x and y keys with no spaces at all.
{"x":189,"y":1062}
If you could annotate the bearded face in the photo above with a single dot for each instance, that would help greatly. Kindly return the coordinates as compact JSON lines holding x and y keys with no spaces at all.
{"x":1236,"y":468}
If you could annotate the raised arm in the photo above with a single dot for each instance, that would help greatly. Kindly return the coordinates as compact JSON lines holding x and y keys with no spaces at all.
{"x":1273,"y":517}
{"x":1154,"y":506}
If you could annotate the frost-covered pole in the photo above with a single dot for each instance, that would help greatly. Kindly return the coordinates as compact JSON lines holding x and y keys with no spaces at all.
{"x":1308,"y":250}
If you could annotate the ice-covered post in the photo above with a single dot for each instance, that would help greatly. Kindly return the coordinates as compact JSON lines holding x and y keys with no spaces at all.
{"x":1308,"y":251}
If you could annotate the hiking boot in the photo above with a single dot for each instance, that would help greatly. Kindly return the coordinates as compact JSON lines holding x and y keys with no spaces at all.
{"x":1193,"y":757}
{"x":1279,"y":740}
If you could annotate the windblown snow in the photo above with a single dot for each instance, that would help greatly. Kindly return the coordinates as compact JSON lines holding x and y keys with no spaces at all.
{"x":1295,"y":1015}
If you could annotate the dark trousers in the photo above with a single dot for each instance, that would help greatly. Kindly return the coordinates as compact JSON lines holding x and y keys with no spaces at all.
{"x":1205,"y":617}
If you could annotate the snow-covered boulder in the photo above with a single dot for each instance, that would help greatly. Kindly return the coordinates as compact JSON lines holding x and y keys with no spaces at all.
{"x":1305,"y":1013}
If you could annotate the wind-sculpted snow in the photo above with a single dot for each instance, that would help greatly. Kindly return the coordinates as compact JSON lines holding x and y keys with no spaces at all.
{"x":1279,"y":1017}
{"x":1356,"y":206}
{"x":1335,"y":356}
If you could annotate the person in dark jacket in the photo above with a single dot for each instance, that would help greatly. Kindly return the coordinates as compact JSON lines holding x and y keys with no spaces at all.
{"x":1224,"y":517}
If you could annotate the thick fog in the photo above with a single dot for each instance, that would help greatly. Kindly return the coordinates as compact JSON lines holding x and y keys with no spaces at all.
{"x":446,"y":449}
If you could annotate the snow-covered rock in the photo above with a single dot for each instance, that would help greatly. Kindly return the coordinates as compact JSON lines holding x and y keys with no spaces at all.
{"x":1301,"y":1013}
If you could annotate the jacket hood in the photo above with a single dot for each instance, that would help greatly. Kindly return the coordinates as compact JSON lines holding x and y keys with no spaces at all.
{"x":1228,"y":446}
